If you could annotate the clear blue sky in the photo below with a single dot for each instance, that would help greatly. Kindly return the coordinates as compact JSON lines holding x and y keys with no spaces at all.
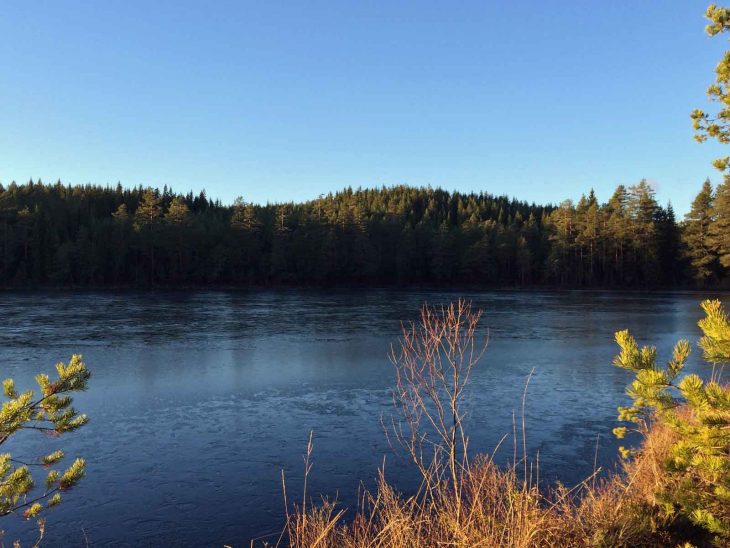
{"x":278,"y":101}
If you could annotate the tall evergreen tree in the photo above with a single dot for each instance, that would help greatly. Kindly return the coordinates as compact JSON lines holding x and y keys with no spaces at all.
{"x":146,"y":220}
{"x":618,"y":231}
{"x":720,"y":226}
{"x":696,"y":236}
{"x":669,"y":244}
{"x":643,"y":208}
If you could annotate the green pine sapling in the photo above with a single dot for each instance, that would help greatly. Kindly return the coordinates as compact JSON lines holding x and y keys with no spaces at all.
{"x":696,"y":472}
{"x":50,"y":412}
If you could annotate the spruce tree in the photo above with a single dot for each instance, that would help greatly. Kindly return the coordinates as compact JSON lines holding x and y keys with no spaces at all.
{"x":696,"y":236}
{"x":720,"y":226}
{"x":589,"y":227}
{"x":669,"y":245}
{"x":618,"y":232}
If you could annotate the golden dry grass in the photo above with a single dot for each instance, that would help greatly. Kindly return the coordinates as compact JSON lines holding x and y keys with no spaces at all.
{"x":470,"y":502}
{"x":496,"y":509}
{"x":499,"y":509}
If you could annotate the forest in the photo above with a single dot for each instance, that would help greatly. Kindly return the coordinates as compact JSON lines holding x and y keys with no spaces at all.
{"x":95,"y":236}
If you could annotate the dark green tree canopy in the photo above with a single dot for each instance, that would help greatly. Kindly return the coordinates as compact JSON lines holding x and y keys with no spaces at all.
{"x":89,"y":235}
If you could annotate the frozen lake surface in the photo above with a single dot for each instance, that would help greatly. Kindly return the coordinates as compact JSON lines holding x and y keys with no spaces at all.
{"x":200,"y":399}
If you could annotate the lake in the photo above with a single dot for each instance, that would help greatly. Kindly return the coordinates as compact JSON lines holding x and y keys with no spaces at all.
{"x":200,"y":399}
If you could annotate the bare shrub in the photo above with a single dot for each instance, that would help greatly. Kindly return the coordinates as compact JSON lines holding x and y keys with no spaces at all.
{"x":433,"y":365}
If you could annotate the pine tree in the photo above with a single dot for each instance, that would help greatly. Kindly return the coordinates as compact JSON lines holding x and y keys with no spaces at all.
{"x":121,"y":215}
{"x":177,"y":218}
{"x":696,"y":236}
{"x":177,"y":212}
{"x":243,"y":216}
{"x":562,"y":237}
{"x":149,"y":210}
{"x":718,"y":127}
{"x":696,"y":475}
{"x":50,"y":412}
{"x":146,"y":219}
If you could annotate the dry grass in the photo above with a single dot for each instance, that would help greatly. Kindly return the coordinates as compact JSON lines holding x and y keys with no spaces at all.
{"x":496,"y":509}
{"x":644,"y":471}
{"x":469,"y":502}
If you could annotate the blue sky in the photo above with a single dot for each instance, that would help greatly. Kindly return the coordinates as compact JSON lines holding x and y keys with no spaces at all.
{"x":279,"y":101}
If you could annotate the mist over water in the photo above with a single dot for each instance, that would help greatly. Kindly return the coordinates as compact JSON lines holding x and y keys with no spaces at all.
{"x":200,"y":399}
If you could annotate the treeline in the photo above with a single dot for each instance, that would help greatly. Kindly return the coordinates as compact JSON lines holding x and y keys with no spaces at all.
{"x":101,"y":236}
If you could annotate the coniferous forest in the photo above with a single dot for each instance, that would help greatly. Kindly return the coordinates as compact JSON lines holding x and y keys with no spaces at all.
{"x":92,"y":236}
